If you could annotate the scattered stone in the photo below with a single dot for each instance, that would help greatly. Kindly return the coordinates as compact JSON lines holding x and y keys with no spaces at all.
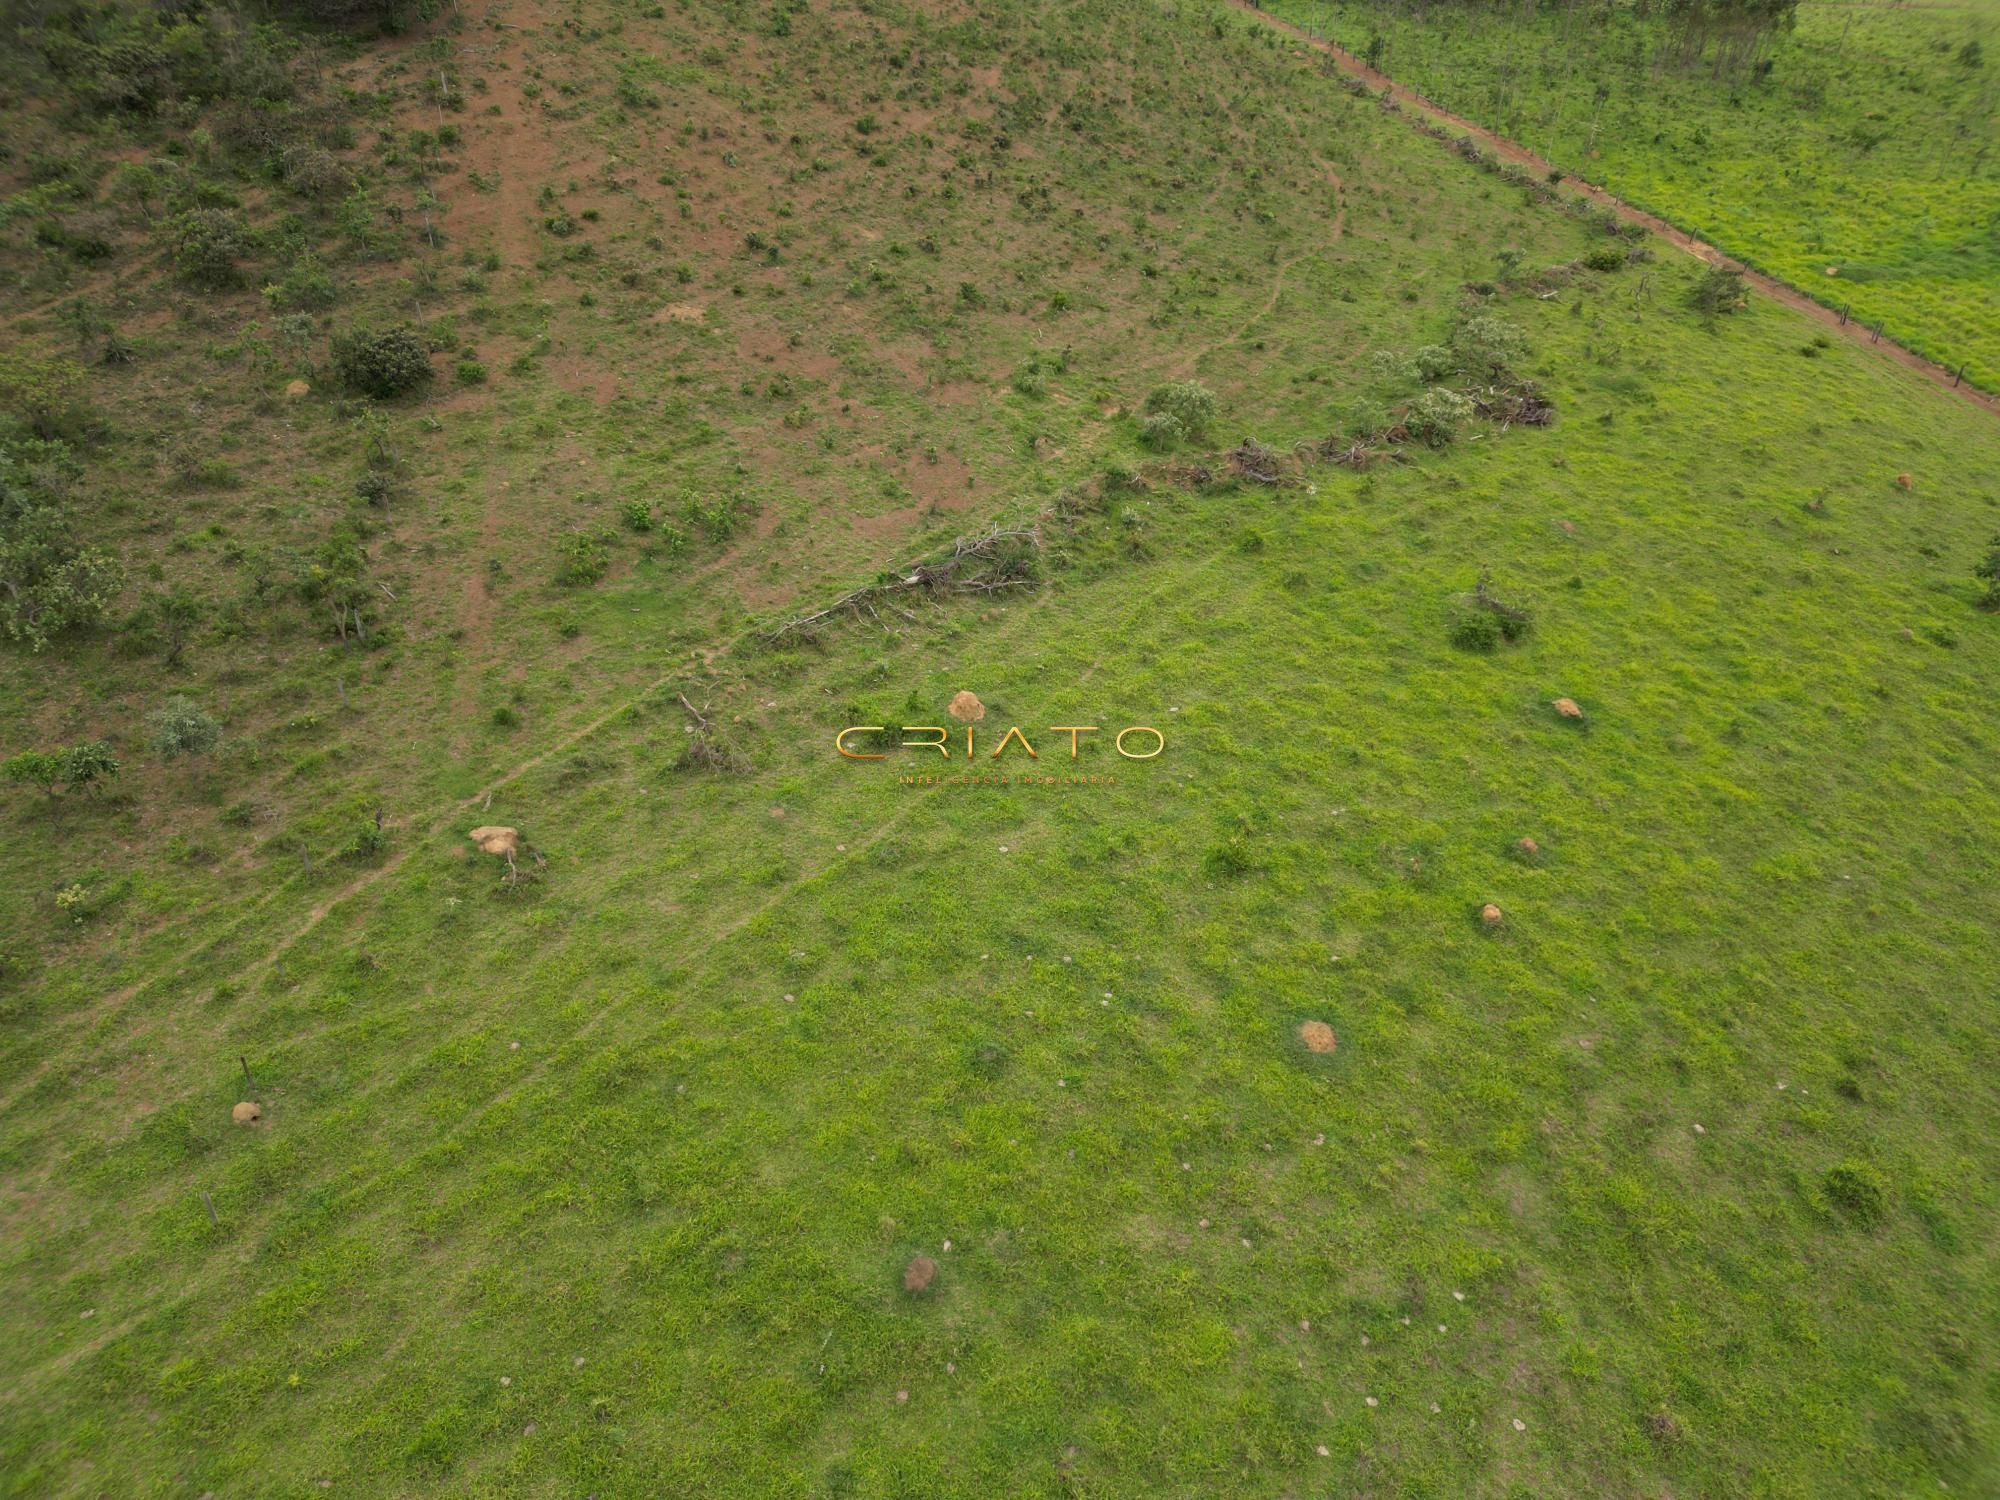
{"x":1906,"y":481}
{"x":966,"y":708}
{"x":247,"y":1113}
{"x":1321,"y":1450}
{"x":1318,"y":1036}
{"x":1567,"y":708}
{"x":297,"y":390}
{"x":1490,"y":915}
{"x":1372,"y":1401}
{"x":902,"y":1398}
{"x":919,"y":1273}
{"x":777,"y":812}
{"x":1529,"y":847}
{"x":1519,"y":1425}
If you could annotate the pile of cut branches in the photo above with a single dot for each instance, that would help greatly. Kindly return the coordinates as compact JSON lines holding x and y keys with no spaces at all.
{"x":1003,"y":558}
{"x":1253,"y":461}
{"x":1513,"y":406}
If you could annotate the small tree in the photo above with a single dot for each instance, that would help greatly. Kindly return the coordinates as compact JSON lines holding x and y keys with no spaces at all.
{"x":76,"y":767}
{"x":178,"y":612}
{"x":180,"y":727}
{"x":87,"y":765}
{"x":40,"y":768}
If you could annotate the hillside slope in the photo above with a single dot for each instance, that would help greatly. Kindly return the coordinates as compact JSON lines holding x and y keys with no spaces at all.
{"x":607,"y":1179}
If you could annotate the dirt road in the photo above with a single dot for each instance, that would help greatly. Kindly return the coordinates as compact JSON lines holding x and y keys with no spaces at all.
{"x":1506,"y":150}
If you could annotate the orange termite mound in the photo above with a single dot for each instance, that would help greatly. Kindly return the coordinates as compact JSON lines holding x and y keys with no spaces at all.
{"x":1318,"y":1036}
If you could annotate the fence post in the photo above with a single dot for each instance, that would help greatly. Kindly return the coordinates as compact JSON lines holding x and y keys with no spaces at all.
{"x":1958,"y":377}
{"x":1878,"y":331}
{"x":1843,"y":315}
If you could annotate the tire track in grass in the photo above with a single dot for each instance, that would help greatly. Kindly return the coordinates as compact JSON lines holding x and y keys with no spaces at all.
{"x":1782,"y":292}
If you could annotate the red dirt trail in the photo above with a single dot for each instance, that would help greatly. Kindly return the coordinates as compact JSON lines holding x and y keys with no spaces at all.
{"x":1770,"y":286}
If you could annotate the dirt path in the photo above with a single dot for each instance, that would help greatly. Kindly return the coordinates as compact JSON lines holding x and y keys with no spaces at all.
{"x":1186,"y":369}
{"x":1506,"y":150}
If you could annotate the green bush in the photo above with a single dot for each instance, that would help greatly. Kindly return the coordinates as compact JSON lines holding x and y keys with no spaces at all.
{"x":43,"y":395}
{"x":1855,"y":1189}
{"x":49,"y":581}
{"x":305,"y":288}
{"x":1719,"y":291}
{"x":180,"y":727}
{"x":1190,"y":404}
{"x":1162,"y":433}
{"x":1605,"y":258}
{"x":1988,"y":571}
{"x":383,"y":364}
{"x":1488,"y":347}
{"x":637,"y":515}
{"x":1435,"y":417}
{"x":469,"y":372}
{"x":1475,"y":630}
{"x":585,"y":558}
{"x":207,"y":243}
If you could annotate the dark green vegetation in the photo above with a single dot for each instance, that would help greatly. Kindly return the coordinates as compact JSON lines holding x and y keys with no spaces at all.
{"x":602,"y":1175}
{"x":1854,"y":154}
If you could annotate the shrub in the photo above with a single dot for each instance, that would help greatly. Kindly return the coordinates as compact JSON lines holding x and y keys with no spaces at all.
{"x":1855,"y":1189}
{"x":1162,"y":433}
{"x":368,"y":841}
{"x":637,"y":515}
{"x":207,"y":243}
{"x":1435,"y":417}
{"x":1433,"y":363}
{"x":87,"y":764}
{"x":44,"y":395}
{"x":469,"y":372}
{"x":49,"y":581}
{"x":1189,"y":403}
{"x":1605,"y":258}
{"x":1475,"y":630}
{"x":305,"y":288}
{"x":314,"y":173}
{"x":1719,"y":291}
{"x":1489,"y":346}
{"x":180,"y":727}
{"x":385,"y":364}
{"x":585,"y":558}
{"x":1989,"y":571}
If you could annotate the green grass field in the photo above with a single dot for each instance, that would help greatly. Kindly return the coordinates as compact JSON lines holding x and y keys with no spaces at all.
{"x":1678,"y":1180}
{"x":1862,"y":169}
